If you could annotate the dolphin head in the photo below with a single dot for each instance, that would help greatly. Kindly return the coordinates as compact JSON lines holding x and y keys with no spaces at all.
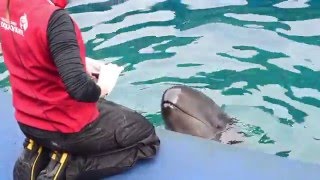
{"x":189,"y":111}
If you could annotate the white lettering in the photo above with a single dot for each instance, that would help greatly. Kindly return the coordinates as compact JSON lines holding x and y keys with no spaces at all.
{"x":10,"y":27}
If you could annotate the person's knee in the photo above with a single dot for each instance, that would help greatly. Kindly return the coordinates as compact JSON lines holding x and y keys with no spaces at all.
{"x":135,"y":129}
{"x":129,"y":127}
{"x":149,"y":146}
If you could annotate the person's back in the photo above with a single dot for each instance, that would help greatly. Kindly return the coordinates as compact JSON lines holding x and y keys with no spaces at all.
{"x":39,"y":94}
{"x":59,"y":108}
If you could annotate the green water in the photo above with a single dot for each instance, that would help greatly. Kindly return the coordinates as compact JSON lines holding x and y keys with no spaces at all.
{"x":258,"y":59}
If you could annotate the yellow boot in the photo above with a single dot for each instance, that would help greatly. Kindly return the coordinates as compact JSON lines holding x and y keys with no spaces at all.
{"x":56,"y":167}
{"x":32,"y":160}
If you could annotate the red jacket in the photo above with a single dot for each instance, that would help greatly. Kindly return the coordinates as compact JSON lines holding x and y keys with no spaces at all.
{"x":39,"y":95}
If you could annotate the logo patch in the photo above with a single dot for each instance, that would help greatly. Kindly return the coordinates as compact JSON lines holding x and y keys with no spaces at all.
{"x":24,"y":22}
{"x":13,"y":26}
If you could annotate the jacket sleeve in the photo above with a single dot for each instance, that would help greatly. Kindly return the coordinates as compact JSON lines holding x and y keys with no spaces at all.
{"x":65,"y":52}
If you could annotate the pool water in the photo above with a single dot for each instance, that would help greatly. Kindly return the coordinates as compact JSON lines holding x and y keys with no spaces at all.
{"x":258,"y":59}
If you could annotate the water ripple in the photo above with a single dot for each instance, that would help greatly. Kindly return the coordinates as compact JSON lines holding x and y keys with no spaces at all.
{"x":252,"y":17}
{"x":293,"y":4}
{"x":86,"y":19}
{"x":133,"y":20}
{"x":196,"y":5}
{"x":302,"y":28}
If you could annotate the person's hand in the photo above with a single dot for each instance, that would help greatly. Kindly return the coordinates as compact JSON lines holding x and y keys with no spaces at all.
{"x":108,"y":77}
{"x":93,"y":67}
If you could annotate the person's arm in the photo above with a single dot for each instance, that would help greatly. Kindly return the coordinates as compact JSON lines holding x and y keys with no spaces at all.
{"x":65,"y":52}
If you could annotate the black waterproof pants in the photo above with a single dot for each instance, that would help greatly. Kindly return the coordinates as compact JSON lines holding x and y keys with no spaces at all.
{"x":112,"y":143}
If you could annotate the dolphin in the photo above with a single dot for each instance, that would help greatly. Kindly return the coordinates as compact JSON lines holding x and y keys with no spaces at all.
{"x":189,"y":111}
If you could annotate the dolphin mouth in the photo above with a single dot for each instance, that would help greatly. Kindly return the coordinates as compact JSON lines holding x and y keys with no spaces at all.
{"x":173,"y":105}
